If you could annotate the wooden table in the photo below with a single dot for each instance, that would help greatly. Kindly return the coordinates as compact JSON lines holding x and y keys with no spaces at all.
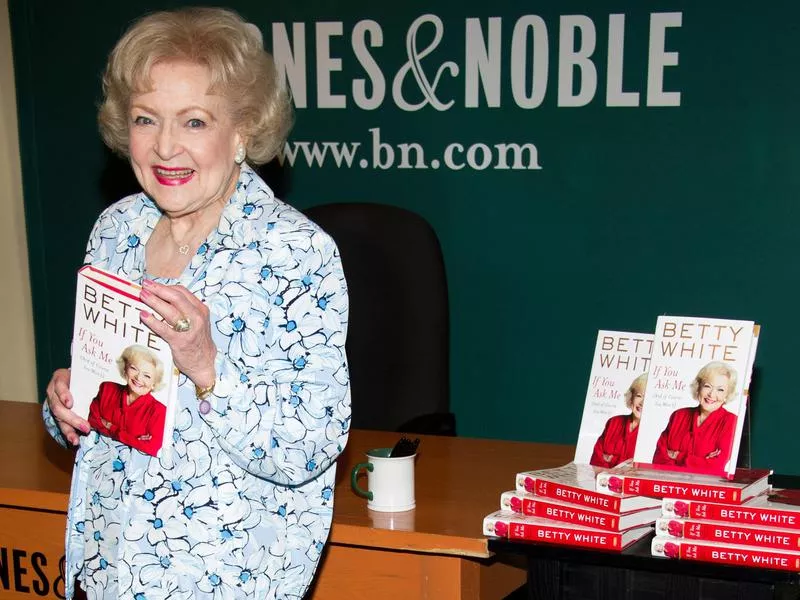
{"x":434,"y":551}
{"x":34,"y":487}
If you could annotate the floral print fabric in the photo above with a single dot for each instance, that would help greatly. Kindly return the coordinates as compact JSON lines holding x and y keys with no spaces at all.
{"x":240,"y":504}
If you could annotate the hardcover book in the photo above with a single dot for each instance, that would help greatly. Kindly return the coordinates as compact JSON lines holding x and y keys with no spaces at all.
{"x":731,"y":554}
{"x":773,"y":508}
{"x":658,"y":483}
{"x":728,"y":533}
{"x":517,"y":527}
{"x":696,"y":394}
{"x":614,"y":398}
{"x":546,"y":508}
{"x":122,"y":376}
{"x":575,"y":483}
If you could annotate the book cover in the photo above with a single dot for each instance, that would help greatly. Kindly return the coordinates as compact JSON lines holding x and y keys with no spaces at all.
{"x":575,"y":483}
{"x":730,"y":554}
{"x":518,"y":527}
{"x":728,"y":533}
{"x":546,"y":508}
{"x":696,"y":399}
{"x":659,"y":483}
{"x":774,"y":508}
{"x":614,"y":398}
{"x":122,"y":376}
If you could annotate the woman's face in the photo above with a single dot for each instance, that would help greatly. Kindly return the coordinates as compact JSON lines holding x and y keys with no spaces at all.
{"x":713,"y":392}
{"x":182,"y":140}
{"x":140,"y":375}
{"x":637,"y":400}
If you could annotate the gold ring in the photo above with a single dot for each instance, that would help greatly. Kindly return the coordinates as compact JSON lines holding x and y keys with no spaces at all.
{"x":182,"y":324}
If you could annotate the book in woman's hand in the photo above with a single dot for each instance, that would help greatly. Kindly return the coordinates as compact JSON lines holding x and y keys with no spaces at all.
{"x":122,"y":376}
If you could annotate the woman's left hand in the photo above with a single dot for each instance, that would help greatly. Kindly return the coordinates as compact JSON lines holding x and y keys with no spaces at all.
{"x":193,"y":350}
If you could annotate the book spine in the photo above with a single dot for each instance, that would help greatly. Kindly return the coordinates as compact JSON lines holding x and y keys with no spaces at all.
{"x":574,"y":495}
{"x":564,"y":536}
{"x":570,"y":514}
{"x":750,"y":557}
{"x":495,"y":525}
{"x":768,"y":517}
{"x":682,"y":491}
{"x":731,"y":534}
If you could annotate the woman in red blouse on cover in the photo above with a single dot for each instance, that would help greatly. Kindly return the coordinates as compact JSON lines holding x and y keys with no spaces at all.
{"x":700,"y":437}
{"x":129,"y":413}
{"x":618,"y":440}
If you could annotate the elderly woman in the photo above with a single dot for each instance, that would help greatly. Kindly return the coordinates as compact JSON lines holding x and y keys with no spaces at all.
{"x":254,"y":309}
{"x":701,"y":437}
{"x":129,"y":412}
{"x":618,"y":440}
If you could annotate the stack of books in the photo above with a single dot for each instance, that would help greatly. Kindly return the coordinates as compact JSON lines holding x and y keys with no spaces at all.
{"x":763,"y":531}
{"x":561,"y":506}
{"x":662,"y":418}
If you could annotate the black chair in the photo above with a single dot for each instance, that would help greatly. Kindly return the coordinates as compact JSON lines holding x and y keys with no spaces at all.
{"x":398,"y":345}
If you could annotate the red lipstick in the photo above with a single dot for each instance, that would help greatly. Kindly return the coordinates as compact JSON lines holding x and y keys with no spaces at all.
{"x":172,"y":176}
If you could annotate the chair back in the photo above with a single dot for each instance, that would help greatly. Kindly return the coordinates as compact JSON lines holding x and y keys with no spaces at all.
{"x":398,"y":332}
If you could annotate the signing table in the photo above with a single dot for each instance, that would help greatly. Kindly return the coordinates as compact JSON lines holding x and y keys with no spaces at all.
{"x":434,"y":551}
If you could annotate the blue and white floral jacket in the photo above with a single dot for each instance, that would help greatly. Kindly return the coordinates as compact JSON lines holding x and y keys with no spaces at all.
{"x":242,"y":504}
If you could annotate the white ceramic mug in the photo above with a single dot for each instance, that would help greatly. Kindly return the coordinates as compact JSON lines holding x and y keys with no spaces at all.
{"x":390,"y":481}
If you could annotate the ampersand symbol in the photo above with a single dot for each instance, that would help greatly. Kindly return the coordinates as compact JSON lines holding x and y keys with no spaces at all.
{"x":414,"y":65}
{"x":58,"y":584}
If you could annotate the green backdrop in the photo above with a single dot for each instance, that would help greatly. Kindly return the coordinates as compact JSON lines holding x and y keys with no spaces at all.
{"x":629,"y":212}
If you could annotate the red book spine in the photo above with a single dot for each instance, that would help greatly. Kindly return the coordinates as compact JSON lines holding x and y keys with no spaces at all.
{"x":572,"y":514}
{"x":564,"y":536}
{"x":751,"y":557}
{"x":733,"y":534}
{"x":684,"y":491}
{"x":575,"y":495}
{"x":769,"y":517}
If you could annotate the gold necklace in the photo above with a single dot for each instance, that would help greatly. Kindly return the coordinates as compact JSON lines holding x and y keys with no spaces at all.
{"x":183,"y":247}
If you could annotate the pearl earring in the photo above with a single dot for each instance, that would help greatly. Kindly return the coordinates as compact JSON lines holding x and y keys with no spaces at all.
{"x":240,"y":155}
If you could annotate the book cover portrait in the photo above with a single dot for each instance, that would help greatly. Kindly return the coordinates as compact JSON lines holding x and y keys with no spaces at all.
{"x":696,"y":400}
{"x":121,"y":372}
{"x":614,"y":398}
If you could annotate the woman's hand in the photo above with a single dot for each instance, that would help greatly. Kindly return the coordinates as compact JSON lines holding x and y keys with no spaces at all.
{"x":60,"y":402}
{"x":608,"y":457}
{"x":713,"y":454}
{"x":193,"y":350}
{"x":673,"y":454}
